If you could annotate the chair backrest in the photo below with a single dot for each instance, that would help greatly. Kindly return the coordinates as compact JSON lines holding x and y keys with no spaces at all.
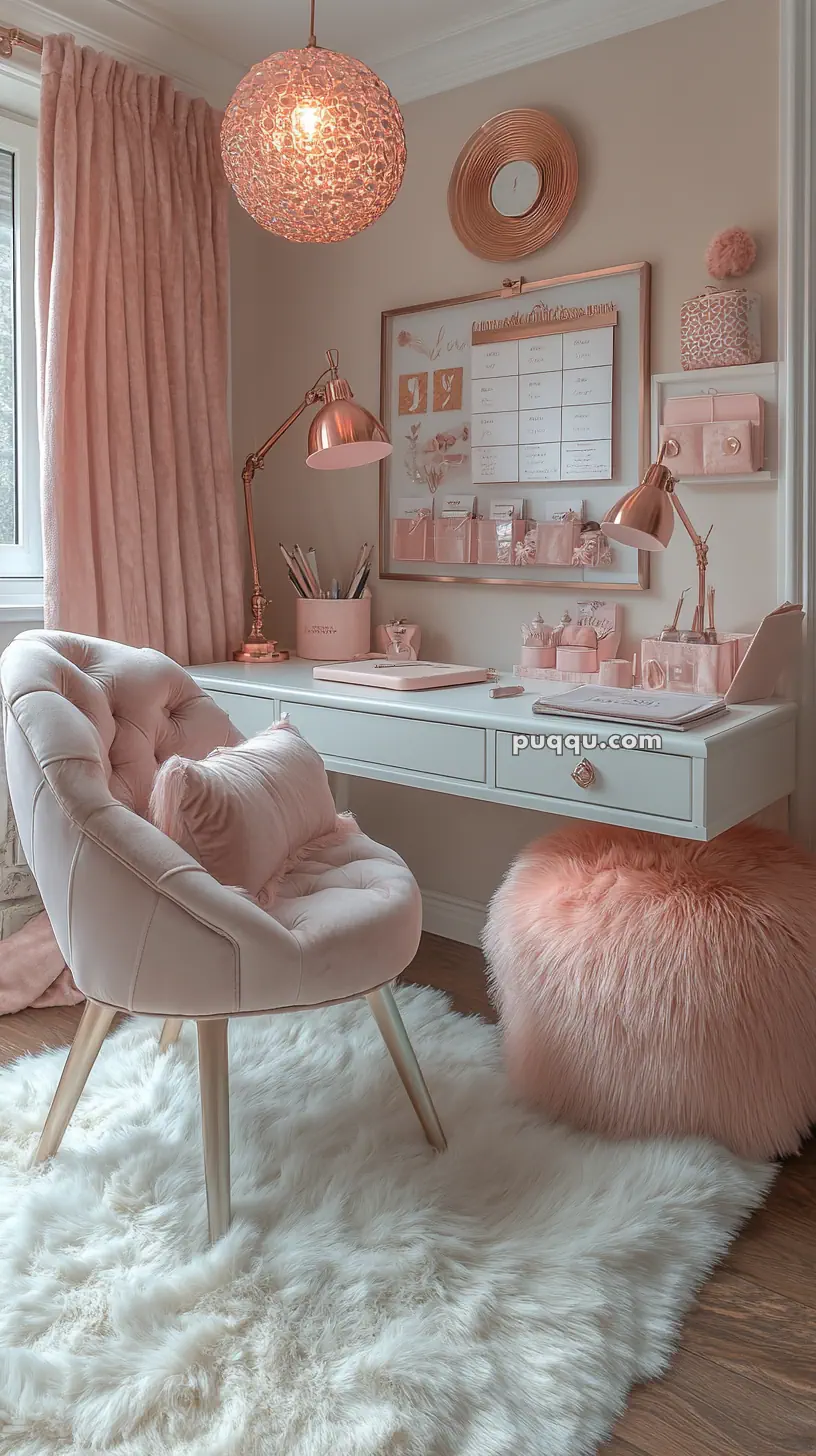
{"x":87,"y":722}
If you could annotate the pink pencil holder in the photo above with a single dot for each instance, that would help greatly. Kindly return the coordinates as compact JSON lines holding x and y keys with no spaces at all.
{"x":329,"y":631}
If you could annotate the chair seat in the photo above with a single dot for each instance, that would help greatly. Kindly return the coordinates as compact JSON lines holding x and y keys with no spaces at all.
{"x":355,"y":911}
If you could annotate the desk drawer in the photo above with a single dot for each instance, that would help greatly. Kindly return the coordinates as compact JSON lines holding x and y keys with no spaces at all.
{"x":249,"y":714}
{"x":634,"y":779}
{"x":445,"y":749}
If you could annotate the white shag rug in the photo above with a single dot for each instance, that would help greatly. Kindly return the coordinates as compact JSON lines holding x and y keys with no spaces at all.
{"x":372,"y":1298}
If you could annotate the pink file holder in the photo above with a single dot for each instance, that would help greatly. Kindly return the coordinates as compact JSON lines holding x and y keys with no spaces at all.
{"x":455,"y":540}
{"x":556,"y":542}
{"x":496,"y":541}
{"x":412,"y":540}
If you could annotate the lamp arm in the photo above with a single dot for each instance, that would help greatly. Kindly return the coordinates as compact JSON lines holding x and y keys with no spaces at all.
{"x":252,"y":464}
{"x":701,"y":550}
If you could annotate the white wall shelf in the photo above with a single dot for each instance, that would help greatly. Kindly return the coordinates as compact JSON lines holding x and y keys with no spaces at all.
{"x":754,"y":477}
{"x":761,"y":379}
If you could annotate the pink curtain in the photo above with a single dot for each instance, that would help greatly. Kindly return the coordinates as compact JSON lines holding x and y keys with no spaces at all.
{"x":140,"y":530}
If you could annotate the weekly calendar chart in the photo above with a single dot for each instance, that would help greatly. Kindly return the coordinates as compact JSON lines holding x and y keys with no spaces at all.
{"x":541,"y":398}
{"x":524,"y":403}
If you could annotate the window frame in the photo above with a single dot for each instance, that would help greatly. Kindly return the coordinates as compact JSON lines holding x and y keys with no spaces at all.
{"x":21,"y":564}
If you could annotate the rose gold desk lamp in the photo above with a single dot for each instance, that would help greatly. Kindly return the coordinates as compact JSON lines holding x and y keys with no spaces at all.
{"x":644,"y":518}
{"x":341,"y":435}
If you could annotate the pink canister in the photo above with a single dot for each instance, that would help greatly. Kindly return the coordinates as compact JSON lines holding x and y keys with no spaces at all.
{"x":332,"y":631}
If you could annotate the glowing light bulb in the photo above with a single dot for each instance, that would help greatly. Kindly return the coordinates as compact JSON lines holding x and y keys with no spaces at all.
{"x":306,"y":118}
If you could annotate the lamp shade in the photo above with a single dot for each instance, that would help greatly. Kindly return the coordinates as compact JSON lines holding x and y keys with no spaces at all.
{"x":313,"y":144}
{"x":644,"y":517}
{"x":344,"y":433}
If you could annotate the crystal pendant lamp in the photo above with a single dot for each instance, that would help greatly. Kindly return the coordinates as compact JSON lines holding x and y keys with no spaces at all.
{"x":313,"y":144}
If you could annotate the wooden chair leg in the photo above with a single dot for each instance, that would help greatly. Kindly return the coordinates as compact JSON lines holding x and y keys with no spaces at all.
{"x":90,"y":1034}
{"x":170,"y":1032}
{"x":388,"y":1019}
{"x":213,"y":1075}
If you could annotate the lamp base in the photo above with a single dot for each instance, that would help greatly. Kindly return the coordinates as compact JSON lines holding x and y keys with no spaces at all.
{"x":259,"y":652}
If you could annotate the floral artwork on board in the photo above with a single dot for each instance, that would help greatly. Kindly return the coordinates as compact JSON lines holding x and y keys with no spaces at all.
{"x":441,"y":344}
{"x":432,"y":461}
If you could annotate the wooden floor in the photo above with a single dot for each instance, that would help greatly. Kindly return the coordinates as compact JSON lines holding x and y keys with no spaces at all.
{"x":744,"y":1380}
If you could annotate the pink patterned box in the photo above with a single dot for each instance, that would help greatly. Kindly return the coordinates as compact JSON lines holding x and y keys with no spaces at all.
{"x":719,"y":328}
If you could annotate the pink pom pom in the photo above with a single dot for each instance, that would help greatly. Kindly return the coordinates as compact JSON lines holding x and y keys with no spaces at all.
{"x":731,"y":253}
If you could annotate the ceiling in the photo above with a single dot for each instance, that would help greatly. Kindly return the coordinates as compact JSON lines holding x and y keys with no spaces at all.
{"x":419,"y":46}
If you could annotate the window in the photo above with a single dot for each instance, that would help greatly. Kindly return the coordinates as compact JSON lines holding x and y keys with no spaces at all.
{"x":20,"y":531}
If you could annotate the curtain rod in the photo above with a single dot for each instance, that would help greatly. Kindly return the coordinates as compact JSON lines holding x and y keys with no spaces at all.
{"x":11,"y":36}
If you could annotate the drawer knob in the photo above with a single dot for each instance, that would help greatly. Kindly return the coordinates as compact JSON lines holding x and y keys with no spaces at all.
{"x":672,"y":447}
{"x":732,"y":445}
{"x":584,"y":774}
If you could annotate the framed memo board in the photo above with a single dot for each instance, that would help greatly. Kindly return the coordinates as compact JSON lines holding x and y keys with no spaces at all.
{"x":533,"y":397}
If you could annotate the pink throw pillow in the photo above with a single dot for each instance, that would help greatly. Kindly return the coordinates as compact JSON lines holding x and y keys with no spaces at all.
{"x":242,"y":812}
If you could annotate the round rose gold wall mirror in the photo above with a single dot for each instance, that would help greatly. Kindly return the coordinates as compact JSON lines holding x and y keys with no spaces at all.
{"x":513,"y":184}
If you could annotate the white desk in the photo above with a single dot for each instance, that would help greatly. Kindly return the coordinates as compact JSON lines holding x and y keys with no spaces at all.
{"x":460,"y":741}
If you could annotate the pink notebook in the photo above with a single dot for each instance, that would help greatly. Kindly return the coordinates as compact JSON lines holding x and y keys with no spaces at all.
{"x":400,"y":677}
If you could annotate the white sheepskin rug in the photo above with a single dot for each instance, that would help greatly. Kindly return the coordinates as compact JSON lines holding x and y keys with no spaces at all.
{"x":372,"y":1298}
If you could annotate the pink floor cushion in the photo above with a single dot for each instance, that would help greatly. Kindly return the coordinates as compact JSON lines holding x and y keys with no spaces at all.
{"x":649,"y":985}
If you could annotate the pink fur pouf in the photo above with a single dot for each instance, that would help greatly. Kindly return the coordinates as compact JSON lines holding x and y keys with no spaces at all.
{"x":649,"y":985}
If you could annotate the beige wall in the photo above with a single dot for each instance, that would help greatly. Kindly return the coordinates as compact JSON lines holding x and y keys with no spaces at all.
{"x":676,"y":128}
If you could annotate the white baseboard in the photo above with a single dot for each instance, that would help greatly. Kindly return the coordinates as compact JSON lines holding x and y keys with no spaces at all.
{"x":453,"y":918}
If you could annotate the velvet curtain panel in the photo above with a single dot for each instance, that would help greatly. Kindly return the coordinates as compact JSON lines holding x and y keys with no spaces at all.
{"x":140,"y":533}
{"x":140,"y":530}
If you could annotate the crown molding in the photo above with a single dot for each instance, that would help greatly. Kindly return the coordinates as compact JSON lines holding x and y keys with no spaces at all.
{"x":546,"y":28}
{"x":133,"y":35}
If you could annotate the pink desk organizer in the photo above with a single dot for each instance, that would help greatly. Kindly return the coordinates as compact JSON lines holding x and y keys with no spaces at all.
{"x":412,"y":540}
{"x":332,"y":631}
{"x":556,"y":542}
{"x":692,"y":667}
{"x":496,"y":541}
{"x":455,"y":540}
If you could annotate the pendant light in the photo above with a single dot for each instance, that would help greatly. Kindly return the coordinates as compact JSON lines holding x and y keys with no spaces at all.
{"x":313,"y":144}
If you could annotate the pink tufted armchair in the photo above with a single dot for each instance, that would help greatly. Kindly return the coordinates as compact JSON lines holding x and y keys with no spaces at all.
{"x":143,"y":927}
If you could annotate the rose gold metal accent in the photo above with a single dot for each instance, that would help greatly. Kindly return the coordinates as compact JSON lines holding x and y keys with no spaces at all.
{"x":90,"y":1034}
{"x":672,"y":448}
{"x":213,"y":1076}
{"x":313,"y":144}
{"x":536,"y":327}
{"x":644,"y":518}
{"x":644,"y":270}
{"x":12,"y":35}
{"x":170,"y":1032}
{"x":342,"y":434}
{"x":385,"y":1013}
{"x":525,"y":134}
{"x":584,"y":774}
{"x":732,"y":444}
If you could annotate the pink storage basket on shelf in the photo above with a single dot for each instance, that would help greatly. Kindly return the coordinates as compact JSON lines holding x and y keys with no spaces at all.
{"x":455,"y":540}
{"x":412,"y":540}
{"x":496,"y":541}
{"x":720,"y":328}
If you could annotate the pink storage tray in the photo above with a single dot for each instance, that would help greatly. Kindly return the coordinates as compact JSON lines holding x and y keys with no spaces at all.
{"x":400,"y":677}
